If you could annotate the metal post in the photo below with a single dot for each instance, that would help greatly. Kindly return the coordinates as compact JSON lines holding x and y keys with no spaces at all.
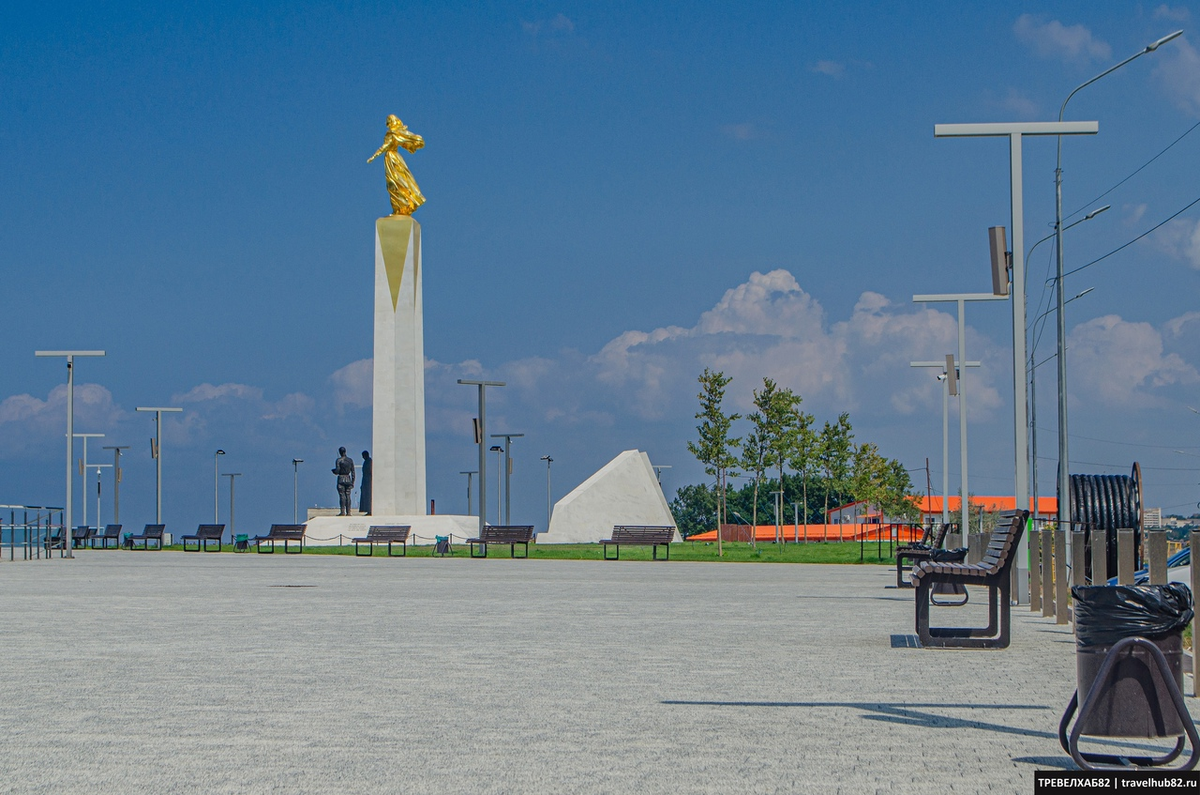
{"x":468,"y":474}
{"x":83,"y":466}
{"x":68,"y":516}
{"x":548,"y":461}
{"x":231,"y":476}
{"x":507,"y":437}
{"x":1126,"y":553}
{"x":217,"y":488}
{"x":158,"y":412}
{"x":497,"y":449}
{"x":1194,"y":541}
{"x":1047,"y":571}
{"x":116,"y":479}
{"x":296,"y":462}
{"x":481,"y":432}
{"x":1061,"y":586}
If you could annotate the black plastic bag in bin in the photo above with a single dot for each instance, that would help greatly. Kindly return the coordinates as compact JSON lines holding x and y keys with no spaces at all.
{"x":1104,"y":614}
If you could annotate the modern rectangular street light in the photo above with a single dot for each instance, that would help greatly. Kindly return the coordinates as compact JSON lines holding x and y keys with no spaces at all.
{"x":116,"y":480}
{"x":948,"y":369}
{"x":507,"y":437}
{"x":481,"y":440}
{"x":1016,"y":131}
{"x":83,"y":465}
{"x":158,"y":412}
{"x":960,"y":299}
{"x":68,"y":516}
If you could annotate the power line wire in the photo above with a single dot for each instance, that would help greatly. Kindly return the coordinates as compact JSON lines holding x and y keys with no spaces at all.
{"x":1154,"y":228}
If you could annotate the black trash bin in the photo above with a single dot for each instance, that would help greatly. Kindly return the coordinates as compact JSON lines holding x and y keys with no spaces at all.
{"x":1140,"y":627}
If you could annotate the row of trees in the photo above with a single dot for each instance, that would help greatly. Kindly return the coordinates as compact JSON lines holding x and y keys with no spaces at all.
{"x":825,"y":463}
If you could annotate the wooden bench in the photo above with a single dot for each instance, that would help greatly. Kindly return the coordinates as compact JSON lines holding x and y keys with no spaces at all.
{"x":287,"y":533}
{"x":111,"y":533}
{"x":384,"y":534}
{"x":640,"y":536}
{"x":502,"y":534}
{"x":915,"y":553}
{"x":82,"y":535}
{"x":993,"y":572}
{"x":203,"y":535}
{"x":152,"y":532}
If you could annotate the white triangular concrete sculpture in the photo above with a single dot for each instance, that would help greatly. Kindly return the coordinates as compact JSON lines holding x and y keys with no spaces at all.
{"x":624,"y":492}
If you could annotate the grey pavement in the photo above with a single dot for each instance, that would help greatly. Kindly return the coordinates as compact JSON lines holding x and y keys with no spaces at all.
{"x":171,"y":672}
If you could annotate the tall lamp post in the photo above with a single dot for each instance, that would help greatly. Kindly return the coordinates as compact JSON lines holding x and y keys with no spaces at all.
{"x":944,"y":378}
{"x":116,"y":480}
{"x":231,"y":476}
{"x":158,"y":412}
{"x":497,"y":449}
{"x":83,"y":466}
{"x":296,"y":462}
{"x":961,"y":299}
{"x":1016,"y":132}
{"x":548,"y":461}
{"x":469,"y":474}
{"x":97,"y":467}
{"x":1064,"y":470}
{"x":68,"y":517}
{"x":507,"y":437}
{"x":480,"y":439}
{"x":217,"y":486}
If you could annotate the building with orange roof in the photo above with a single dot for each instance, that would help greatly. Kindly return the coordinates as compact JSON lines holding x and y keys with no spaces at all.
{"x":931,"y":509}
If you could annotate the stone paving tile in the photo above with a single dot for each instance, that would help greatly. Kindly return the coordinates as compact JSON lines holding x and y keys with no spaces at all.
{"x":166,"y":672}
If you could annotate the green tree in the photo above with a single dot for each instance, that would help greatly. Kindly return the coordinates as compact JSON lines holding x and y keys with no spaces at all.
{"x":781,"y":421}
{"x":899,"y":499}
{"x":713,"y":448}
{"x":835,"y":452}
{"x":802,"y":453}
{"x":694,"y":509}
{"x":869,"y":477}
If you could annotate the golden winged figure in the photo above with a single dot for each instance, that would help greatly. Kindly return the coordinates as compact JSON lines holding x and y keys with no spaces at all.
{"x":402,"y":188}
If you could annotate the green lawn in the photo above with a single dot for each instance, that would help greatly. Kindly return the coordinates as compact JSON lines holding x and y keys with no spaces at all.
{"x":735,"y":552}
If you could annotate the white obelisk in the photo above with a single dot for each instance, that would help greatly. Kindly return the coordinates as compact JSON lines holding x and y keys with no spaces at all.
{"x":398,"y":433}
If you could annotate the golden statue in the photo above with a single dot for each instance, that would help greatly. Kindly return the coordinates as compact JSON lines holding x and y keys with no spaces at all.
{"x":402,"y":188}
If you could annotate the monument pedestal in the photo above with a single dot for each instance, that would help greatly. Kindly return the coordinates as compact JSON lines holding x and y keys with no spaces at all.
{"x":327,"y":531}
{"x":398,"y":427}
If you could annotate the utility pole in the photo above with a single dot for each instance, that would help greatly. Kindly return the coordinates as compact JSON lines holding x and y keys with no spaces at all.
{"x":481,"y":440}
{"x":507,"y":437}
{"x":157,"y":451}
{"x":116,"y":480}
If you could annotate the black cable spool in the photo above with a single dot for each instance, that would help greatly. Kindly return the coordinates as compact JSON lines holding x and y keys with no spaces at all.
{"x":1104,"y":504}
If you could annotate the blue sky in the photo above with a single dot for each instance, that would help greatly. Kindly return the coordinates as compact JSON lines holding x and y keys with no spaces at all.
{"x":618,"y":196}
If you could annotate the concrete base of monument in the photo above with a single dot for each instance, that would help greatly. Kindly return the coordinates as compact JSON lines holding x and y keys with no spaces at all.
{"x":327,"y":531}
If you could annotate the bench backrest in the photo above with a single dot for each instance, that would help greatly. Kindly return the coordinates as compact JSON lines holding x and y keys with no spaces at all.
{"x":1002,"y":548}
{"x":290,"y":532}
{"x":940,"y":539}
{"x":154,"y":531}
{"x":507,"y":534}
{"x":210,"y":531}
{"x":388,"y":532}
{"x":111,"y":531}
{"x":644,"y":534}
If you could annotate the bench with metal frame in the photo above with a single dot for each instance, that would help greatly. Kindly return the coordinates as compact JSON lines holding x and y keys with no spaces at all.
{"x":152,"y":532}
{"x":993,"y":572}
{"x":640,"y":536}
{"x":287,"y":533}
{"x":204,"y":534}
{"x":502,"y":534}
{"x":384,"y":534}
{"x":111,"y":533}
{"x":915,"y":553}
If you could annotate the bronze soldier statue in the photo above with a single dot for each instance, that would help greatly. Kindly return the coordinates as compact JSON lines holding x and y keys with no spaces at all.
{"x":344,"y":469}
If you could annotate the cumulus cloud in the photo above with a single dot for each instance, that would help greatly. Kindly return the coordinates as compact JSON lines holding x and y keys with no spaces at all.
{"x":30,"y":424}
{"x":1179,"y":74}
{"x":1018,"y":104}
{"x":1181,"y":239}
{"x":831,"y":68}
{"x":1177,"y":14}
{"x":1120,"y":364}
{"x":1053,"y":39}
{"x":353,"y":385}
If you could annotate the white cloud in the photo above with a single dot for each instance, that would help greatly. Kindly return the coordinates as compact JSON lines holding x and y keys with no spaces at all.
{"x":206,"y":391}
{"x":1069,"y":43}
{"x":1180,"y":14}
{"x":353,"y":385}
{"x":1181,"y":239}
{"x":559,"y":25}
{"x":740,"y":132}
{"x":1019,"y":104}
{"x":1117,"y":363}
{"x":1133,"y":213}
{"x":1179,"y":73}
{"x":831,"y":68}
{"x":28,"y":423}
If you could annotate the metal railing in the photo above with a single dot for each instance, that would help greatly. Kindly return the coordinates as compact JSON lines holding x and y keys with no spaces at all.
{"x":31,"y":529}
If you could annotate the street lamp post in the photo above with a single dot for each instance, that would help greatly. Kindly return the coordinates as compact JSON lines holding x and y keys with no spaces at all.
{"x":1015,"y":132}
{"x":944,"y":377}
{"x":961,"y":299}
{"x":83,"y":466}
{"x":296,"y":462}
{"x":158,"y":412}
{"x":480,"y":437}
{"x":217,"y":486}
{"x":68,"y":516}
{"x":468,"y":473}
{"x":507,"y":437}
{"x":548,"y":461}
{"x":497,"y":449}
{"x":231,"y":476}
{"x":97,"y":467}
{"x":116,"y":480}
{"x":1064,"y":476}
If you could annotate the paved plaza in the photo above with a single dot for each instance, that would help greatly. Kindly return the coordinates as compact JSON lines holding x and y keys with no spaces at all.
{"x":170,"y":672}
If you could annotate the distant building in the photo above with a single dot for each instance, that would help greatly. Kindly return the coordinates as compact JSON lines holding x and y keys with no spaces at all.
{"x":860,"y":512}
